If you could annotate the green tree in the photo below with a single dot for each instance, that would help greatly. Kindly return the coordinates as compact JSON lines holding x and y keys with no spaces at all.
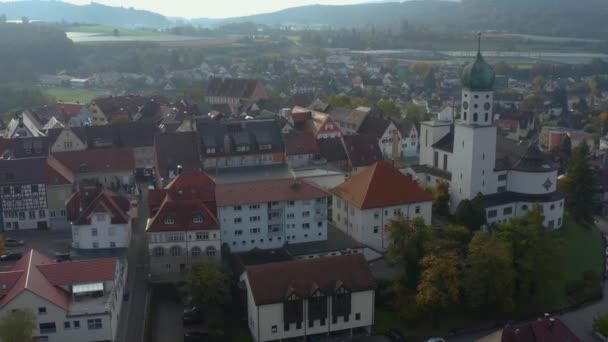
{"x":116,"y":33}
{"x":489,"y":277}
{"x":441,"y":199}
{"x":389,"y":108}
{"x":440,"y":283}
{"x":538,"y":83}
{"x":208,"y":285}
{"x":580,"y":197}
{"x":18,"y":326}
{"x":471,"y":213}
{"x":534,"y":103}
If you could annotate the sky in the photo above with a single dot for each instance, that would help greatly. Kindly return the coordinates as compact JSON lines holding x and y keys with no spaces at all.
{"x":214,"y":8}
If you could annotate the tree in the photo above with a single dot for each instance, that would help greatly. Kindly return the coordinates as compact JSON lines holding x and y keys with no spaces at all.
{"x":565,"y":152}
{"x":18,"y":326}
{"x":441,"y":199}
{"x":534,"y":103}
{"x":409,"y":243}
{"x":580,"y":197}
{"x":538,"y":83}
{"x":471,"y":213}
{"x":560,"y":99}
{"x":489,"y":278}
{"x":389,"y":108}
{"x":420,"y":68}
{"x":208,"y":286}
{"x":415,"y":113}
{"x":115,"y":32}
{"x":439,"y":286}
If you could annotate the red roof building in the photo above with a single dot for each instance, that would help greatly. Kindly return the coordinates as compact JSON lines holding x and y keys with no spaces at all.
{"x":276,"y":190}
{"x":548,"y":329}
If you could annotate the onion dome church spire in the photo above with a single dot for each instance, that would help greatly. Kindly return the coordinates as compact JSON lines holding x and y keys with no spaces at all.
{"x":479,"y":75}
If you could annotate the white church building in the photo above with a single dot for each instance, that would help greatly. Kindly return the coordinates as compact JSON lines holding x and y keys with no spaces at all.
{"x":468,"y":154}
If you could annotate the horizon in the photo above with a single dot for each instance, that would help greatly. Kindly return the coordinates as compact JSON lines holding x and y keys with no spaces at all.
{"x":190,"y":9}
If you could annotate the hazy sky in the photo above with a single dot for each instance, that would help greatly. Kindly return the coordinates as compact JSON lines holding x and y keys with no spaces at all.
{"x":214,"y":8}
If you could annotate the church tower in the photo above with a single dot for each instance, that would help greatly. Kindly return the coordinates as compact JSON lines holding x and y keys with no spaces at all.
{"x":474,"y":151}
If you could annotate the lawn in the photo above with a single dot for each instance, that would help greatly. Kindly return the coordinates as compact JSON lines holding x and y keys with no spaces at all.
{"x":71,"y":95}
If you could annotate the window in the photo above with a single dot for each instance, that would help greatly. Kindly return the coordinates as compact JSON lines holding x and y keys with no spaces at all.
{"x":76,"y":324}
{"x":197,"y":218}
{"x":255,"y":230}
{"x":210,"y":150}
{"x":210,"y":251}
{"x":306,"y":214}
{"x":552,"y":207}
{"x":175,"y":251}
{"x":169,"y":219}
{"x":436,"y":159}
{"x":48,"y":328}
{"x":254,"y":207}
{"x":417,"y":209}
{"x":17,"y":189}
{"x":559,"y":221}
{"x":376,"y":229}
{"x":274,"y":329}
{"x":158,"y":252}
{"x":62,"y":212}
{"x":202,"y":235}
{"x":445,"y":161}
{"x":34,"y":188}
{"x":93,"y":231}
{"x":492,"y":213}
{"x":41,"y":214}
{"x":95,"y":244}
{"x":306,"y":225}
{"x":551,"y":224}
{"x":291,"y":215}
{"x":501,"y":189}
{"x":357,"y":316}
{"x":319,"y":224}
{"x":196,"y":251}
{"x":42,"y":310}
{"x":502,"y":178}
{"x":376,"y":215}
{"x":475,"y":117}
{"x":32,"y":214}
{"x":238,"y":232}
{"x":507,"y":211}
{"x":397,"y":212}
{"x":112,"y":244}
{"x":291,"y":203}
{"x":94,"y":324}
{"x":173,"y":237}
{"x":237,"y":208}
{"x":254,"y":219}
{"x":238,"y":220}
{"x":67,"y":325}
{"x":485,"y":116}
{"x":524,"y":207}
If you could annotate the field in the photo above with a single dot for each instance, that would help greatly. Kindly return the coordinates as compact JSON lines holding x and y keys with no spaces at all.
{"x":109,"y":31}
{"x":70,"y":95}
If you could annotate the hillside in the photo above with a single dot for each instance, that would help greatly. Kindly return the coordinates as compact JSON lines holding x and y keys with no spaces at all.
{"x":56,"y":11}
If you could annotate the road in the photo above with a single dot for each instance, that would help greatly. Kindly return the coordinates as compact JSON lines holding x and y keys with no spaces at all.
{"x":132,"y":314}
{"x":579,"y":321}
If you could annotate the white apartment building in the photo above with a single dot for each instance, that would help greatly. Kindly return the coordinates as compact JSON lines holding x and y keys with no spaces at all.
{"x":72,"y":301}
{"x":99,"y":219}
{"x":271,"y":213}
{"x":366,"y":203}
{"x":324,"y":298}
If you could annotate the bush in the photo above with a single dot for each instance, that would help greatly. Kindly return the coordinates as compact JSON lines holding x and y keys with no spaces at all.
{"x":585,"y":289}
{"x":601,"y":325}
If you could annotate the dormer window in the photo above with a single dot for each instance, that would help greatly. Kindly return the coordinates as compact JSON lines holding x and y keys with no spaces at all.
{"x":210,"y":150}
{"x":242,"y":148}
{"x":197,"y":218}
{"x":169,"y":219}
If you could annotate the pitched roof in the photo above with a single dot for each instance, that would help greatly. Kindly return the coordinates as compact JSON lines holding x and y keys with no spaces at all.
{"x":374,"y":126}
{"x":127,"y":105}
{"x":300,"y":143}
{"x":226,"y":135}
{"x":39,"y":274}
{"x":266,"y":191}
{"x":83,"y":203}
{"x":187,"y":185}
{"x":98,"y":160}
{"x":176,"y":149}
{"x":332,"y":149}
{"x":272,"y":283}
{"x":183,"y":212}
{"x":23,"y":171}
{"x":362,"y":150}
{"x":68,"y":109}
{"x":232,"y":87}
{"x":446,"y":143}
{"x":543,"y":330}
{"x":57,"y":173}
{"x":380,"y":185}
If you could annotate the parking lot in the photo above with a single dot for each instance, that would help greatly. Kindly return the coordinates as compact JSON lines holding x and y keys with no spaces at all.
{"x":47,"y":242}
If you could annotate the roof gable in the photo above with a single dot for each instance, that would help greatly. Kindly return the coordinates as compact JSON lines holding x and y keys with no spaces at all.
{"x":182,"y":212}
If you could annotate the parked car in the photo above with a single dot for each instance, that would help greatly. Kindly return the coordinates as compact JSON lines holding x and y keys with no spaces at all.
{"x":395,"y":336}
{"x":8,"y":242}
{"x":11,"y":256}
{"x":196,"y":336}
{"x":60,"y":257}
{"x":192,"y":315}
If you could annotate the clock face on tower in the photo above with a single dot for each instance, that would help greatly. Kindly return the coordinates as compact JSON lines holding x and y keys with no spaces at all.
{"x":465,"y":105}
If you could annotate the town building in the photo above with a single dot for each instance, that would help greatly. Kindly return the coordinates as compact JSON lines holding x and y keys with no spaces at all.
{"x":59,"y":186}
{"x":551,"y":137}
{"x":182,"y":227}
{"x":474,"y":159}
{"x":114,"y":109}
{"x":322,"y":125}
{"x":99,"y":219}
{"x":367,"y":202}
{"x":173,"y":151}
{"x":516,"y":125}
{"x":271,"y":213}
{"x":234,"y":92}
{"x":301,"y":149}
{"x":329,"y":297}
{"x":72,"y":301}
{"x":547,"y":329}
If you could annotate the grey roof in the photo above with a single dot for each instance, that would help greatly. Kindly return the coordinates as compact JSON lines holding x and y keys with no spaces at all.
{"x":362,"y":150}
{"x":176,"y":149}
{"x":374,"y":125}
{"x":23,"y":171}
{"x":225,"y":135}
{"x":336,"y":241}
{"x":332,"y":149}
{"x":232,"y":87}
{"x":446,"y":143}
{"x":534,"y":161}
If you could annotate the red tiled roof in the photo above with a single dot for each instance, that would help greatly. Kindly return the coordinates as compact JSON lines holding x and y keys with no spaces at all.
{"x":380,"y":185}
{"x":69,"y":109}
{"x":58,"y":174}
{"x":300,"y":143}
{"x":83,"y":203}
{"x":99,"y":160}
{"x":544,"y":330}
{"x":187,"y":185}
{"x":183,"y":211}
{"x":272,"y":283}
{"x":78,"y":272}
{"x":266,"y":191}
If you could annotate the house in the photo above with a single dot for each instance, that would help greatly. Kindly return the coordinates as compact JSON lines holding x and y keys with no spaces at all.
{"x":182,"y":226}
{"x":516,"y":125}
{"x":362,"y":151}
{"x":367,"y":202}
{"x":547,"y":329}
{"x":172,"y":151}
{"x":385,"y":133}
{"x":23,"y":125}
{"x":409,"y":137}
{"x":29,"y":147}
{"x":332,"y":150}
{"x":329,"y":297}
{"x":114,"y":109}
{"x":24,"y":197}
{"x":59,"y":186}
{"x":72,"y":301}
{"x":350,"y":120}
{"x":322,"y":125}
{"x":237,"y":143}
{"x":67,"y":139}
{"x":510,"y":176}
{"x":99,"y":219}
{"x":301,"y":149}
{"x":271,"y":213}
{"x":112,"y":168}
{"x":234,"y":92}
{"x":551,"y":137}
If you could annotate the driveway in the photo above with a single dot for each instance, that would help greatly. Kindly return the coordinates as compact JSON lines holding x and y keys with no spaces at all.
{"x":166,"y":320}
